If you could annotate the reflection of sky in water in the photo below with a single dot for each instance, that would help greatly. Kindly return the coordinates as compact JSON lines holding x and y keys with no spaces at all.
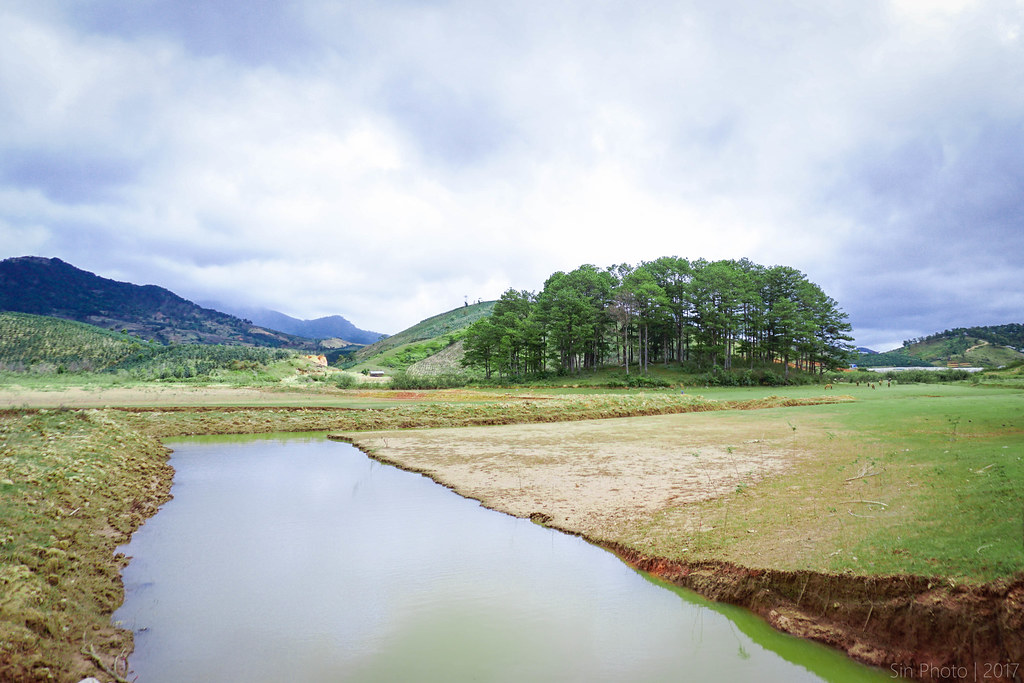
{"x":306,"y":560}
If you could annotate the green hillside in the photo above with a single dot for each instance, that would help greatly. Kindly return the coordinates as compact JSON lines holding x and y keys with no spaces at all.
{"x":43,"y":345}
{"x":989,"y":347}
{"x":1010,"y":334}
{"x":32,"y":340}
{"x":963,"y":349}
{"x":422,"y":340}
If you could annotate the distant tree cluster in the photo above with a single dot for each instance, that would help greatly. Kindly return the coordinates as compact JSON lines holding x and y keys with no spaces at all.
{"x":895,"y":358}
{"x":703,"y":313}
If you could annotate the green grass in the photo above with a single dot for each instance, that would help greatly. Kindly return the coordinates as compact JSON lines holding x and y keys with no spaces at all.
{"x":73,"y":485}
{"x":953,"y":457}
{"x":437,"y":326}
{"x":1012,"y":376}
{"x":912,"y":479}
{"x":404,"y":355}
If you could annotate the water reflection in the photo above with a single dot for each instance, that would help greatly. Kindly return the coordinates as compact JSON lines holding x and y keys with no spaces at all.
{"x":302,"y":559}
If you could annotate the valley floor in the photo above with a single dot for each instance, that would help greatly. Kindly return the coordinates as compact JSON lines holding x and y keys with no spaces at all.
{"x":883,"y":521}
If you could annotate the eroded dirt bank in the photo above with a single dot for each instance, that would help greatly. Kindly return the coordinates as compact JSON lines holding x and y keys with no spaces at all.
{"x":906,"y":625}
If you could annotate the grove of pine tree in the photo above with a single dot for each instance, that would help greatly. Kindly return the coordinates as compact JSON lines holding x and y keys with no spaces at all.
{"x":701,"y":314}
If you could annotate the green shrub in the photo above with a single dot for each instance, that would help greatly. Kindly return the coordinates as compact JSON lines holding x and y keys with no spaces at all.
{"x":346,"y":381}
{"x":403,"y":380}
{"x":637,"y":381}
{"x":928,"y":376}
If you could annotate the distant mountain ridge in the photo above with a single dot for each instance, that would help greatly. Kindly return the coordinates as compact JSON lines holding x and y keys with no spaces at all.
{"x":333,"y":326}
{"x":51,"y":287}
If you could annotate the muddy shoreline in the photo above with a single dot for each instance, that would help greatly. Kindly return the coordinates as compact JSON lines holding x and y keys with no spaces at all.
{"x":916,"y":627}
{"x":908,"y":625}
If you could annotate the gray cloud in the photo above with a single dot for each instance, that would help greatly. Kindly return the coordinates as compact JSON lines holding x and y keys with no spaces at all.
{"x":66,"y":177}
{"x":384,"y":160}
{"x":257,"y":32}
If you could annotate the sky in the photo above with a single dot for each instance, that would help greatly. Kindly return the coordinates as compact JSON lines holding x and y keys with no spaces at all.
{"x":388,"y":161}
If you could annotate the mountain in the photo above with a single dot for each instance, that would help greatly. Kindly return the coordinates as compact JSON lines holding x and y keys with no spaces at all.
{"x":330,"y":327}
{"x":1010,"y":334}
{"x":51,"y":287}
{"x":865,"y":350}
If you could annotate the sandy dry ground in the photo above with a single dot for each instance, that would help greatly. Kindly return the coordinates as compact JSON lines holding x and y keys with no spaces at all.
{"x":171,"y":395}
{"x":78,"y":397}
{"x":597,"y":477}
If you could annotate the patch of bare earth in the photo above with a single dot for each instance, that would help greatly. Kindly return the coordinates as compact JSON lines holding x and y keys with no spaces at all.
{"x":595,"y":477}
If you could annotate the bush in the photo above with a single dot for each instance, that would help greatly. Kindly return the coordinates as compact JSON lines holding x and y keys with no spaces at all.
{"x":346,"y":381}
{"x":637,"y":382}
{"x":403,"y":380}
{"x":929,"y":376}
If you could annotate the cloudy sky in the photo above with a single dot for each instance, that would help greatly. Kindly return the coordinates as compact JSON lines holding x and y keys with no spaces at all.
{"x":386,"y":160}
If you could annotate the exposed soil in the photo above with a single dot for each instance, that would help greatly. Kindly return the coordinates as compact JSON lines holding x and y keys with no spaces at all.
{"x":590,"y":477}
{"x":909,"y":626}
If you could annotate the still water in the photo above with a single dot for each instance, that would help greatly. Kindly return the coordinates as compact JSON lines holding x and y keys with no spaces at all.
{"x":300,"y":559}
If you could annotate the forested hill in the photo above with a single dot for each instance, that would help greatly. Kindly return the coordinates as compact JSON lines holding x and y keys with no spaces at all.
{"x":1011,"y":334}
{"x":51,"y":287}
{"x":703,"y":314}
{"x":989,"y":347}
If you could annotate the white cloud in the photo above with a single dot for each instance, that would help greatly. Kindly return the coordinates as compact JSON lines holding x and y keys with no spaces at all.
{"x":386,"y":161}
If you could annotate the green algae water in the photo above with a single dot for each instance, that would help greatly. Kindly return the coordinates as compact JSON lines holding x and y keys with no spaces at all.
{"x":301,"y":559}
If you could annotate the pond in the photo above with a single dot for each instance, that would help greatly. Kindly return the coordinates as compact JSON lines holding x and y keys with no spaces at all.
{"x":299,"y":558}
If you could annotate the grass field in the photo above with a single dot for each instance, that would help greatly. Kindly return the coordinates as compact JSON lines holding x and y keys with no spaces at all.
{"x":925,"y":480}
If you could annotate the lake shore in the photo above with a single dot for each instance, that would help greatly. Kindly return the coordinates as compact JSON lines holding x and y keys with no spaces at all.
{"x":604,"y":480}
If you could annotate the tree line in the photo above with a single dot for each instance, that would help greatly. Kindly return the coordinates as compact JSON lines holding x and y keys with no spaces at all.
{"x":701,"y":314}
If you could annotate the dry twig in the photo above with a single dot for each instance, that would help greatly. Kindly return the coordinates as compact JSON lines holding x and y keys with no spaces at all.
{"x":99,"y":662}
{"x":863,"y":474}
